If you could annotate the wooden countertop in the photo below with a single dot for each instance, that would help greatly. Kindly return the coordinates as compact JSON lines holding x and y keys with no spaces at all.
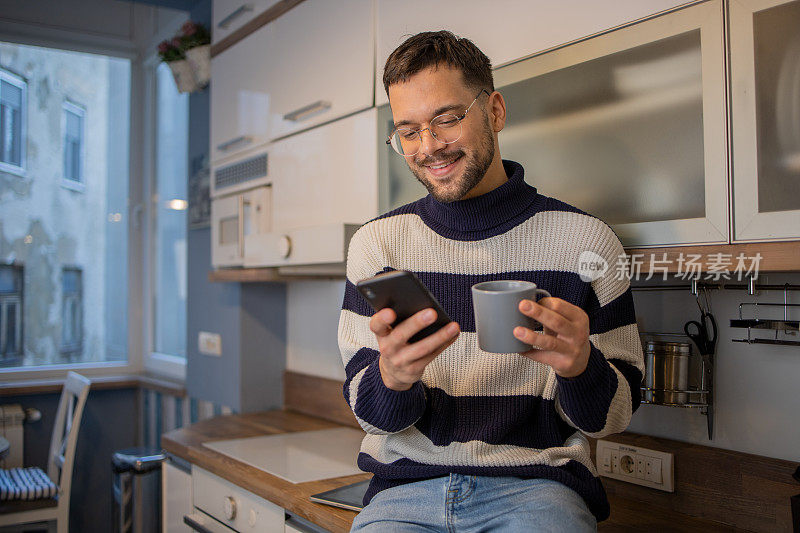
{"x":186,"y":443}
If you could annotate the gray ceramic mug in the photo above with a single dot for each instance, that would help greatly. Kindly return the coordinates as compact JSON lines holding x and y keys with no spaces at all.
{"x":497,"y":313}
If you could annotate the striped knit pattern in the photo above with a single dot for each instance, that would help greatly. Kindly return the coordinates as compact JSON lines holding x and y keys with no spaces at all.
{"x":25,"y":484}
{"x":473,"y":412}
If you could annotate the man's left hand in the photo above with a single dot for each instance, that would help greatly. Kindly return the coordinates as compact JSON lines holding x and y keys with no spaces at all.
{"x":564,"y":344}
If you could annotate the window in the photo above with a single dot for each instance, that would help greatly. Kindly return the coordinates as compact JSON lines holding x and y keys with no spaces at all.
{"x":169,"y":215}
{"x":71,"y":311}
{"x":10,"y":314}
{"x":12,"y":122}
{"x":74,"y":247}
{"x":73,"y":143}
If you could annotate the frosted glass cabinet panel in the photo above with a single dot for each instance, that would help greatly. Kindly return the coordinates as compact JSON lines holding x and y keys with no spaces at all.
{"x":765,"y":72}
{"x":629,"y":126}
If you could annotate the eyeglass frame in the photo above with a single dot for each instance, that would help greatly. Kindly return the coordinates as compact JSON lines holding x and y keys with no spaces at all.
{"x":419,"y":132}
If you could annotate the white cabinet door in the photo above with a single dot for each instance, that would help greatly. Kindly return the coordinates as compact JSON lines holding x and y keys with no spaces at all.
{"x":629,"y":126}
{"x":311,"y":65}
{"x":228,"y":16}
{"x":318,"y":58}
{"x":327,"y":175}
{"x":176,"y":494}
{"x":765,"y":84}
{"x":240,"y":98}
{"x":525,"y":27}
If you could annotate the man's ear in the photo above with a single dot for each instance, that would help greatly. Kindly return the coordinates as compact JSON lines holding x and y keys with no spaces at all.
{"x":497,"y":111}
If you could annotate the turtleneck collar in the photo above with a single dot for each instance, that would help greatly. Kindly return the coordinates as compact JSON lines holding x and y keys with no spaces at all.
{"x":483,"y":216}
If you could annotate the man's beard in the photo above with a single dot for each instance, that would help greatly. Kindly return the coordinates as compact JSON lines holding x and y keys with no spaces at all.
{"x":474,"y":170}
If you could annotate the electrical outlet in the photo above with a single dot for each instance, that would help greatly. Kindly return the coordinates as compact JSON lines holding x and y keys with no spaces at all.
{"x":641,"y":466}
{"x":209,"y":343}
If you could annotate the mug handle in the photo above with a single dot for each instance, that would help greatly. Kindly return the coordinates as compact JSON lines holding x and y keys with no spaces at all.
{"x":540,"y":327}
{"x":546,"y":294}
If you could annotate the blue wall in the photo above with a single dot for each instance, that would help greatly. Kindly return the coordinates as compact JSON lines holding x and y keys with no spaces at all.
{"x":250,"y":318}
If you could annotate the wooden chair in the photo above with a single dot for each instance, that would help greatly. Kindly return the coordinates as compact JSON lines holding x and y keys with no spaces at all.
{"x":61,"y":460}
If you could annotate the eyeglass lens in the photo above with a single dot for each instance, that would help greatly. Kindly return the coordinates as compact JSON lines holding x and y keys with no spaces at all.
{"x":444,"y":128}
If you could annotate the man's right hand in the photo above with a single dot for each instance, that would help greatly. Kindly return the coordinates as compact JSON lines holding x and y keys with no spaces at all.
{"x":401,"y":363}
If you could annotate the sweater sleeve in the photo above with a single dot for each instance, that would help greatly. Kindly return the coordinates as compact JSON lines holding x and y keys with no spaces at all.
{"x":601,"y":400}
{"x":379,"y":409}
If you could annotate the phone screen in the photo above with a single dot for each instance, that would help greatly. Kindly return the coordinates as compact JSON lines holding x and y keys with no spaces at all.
{"x":406,"y":295}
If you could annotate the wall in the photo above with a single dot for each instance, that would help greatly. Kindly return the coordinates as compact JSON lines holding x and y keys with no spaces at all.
{"x":250,"y":318}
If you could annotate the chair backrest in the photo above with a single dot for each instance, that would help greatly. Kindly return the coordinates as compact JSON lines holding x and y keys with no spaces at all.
{"x":65,"y":433}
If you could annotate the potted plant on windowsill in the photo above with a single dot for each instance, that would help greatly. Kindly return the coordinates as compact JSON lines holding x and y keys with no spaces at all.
{"x":196,"y":43}
{"x":170,"y":53}
{"x":188,"y":56}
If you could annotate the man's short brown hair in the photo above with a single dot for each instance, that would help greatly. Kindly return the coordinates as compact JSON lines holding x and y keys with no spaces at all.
{"x":435,"y":48}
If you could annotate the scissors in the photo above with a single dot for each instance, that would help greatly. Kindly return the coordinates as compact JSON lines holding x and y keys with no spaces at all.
{"x":703,"y":333}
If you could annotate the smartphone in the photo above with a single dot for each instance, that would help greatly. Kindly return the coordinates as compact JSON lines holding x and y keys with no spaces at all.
{"x":403,"y":292}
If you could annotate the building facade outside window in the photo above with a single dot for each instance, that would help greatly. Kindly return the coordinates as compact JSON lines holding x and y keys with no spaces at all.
{"x":71,"y":311}
{"x":11,"y":283}
{"x":66,"y":218}
{"x":13,"y":95}
{"x":73,"y":143}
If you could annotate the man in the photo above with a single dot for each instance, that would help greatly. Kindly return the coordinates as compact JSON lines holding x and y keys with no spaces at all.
{"x":460,"y":439}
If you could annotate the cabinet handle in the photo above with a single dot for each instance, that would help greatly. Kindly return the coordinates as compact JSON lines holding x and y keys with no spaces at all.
{"x":243,"y":139}
{"x":224,"y":23}
{"x":194,"y":525}
{"x":305,"y":112}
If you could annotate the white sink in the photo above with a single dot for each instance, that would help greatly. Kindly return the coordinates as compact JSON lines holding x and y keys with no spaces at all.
{"x":298,"y":457}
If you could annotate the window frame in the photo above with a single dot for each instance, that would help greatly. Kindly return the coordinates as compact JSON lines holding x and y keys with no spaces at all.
{"x":70,"y":107}
{"x":139,"y":150}
{"x":165,"y":364}
{"x":19,"y":82}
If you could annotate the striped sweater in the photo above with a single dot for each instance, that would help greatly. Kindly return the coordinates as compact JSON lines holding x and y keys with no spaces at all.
{"x":478,"y":413}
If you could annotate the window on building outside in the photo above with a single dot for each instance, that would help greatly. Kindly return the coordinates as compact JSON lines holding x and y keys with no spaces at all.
{"x":74,"y":245}
{"x":73,"y":142}
{"x":10,"y":314}
{"x":71,"y":311}
{"x":12,"y":121}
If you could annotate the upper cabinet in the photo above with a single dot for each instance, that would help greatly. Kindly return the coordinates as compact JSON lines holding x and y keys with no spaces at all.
{"x":296,"y":72}
{"x":765,"y":85}
{"x":629,"y":126}
{"x":227,"y":16}
{"x":525,"y":27}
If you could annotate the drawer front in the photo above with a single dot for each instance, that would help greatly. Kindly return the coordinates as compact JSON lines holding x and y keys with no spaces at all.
{"x":217,"y":497}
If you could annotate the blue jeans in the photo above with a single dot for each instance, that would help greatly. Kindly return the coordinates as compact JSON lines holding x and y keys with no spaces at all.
{"x":477,"y":503}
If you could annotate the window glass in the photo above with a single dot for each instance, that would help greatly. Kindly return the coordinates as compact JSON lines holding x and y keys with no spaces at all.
{"x":60,"y":238}
{"x":169,"y":211}
{"x":73,"y":143}
{"x":11,"y":112}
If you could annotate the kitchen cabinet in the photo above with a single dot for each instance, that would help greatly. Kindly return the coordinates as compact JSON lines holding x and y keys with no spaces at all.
{"x":765,"y":87}
{"x":227,"y":16}
{"x":296,"y":72}
{"x":176,"y":495}
{"x":324,"y":185}
{"x":524,"y":27}
{"x":630,"y":126}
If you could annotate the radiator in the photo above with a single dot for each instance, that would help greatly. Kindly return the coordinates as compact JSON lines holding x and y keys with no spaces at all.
{"x":11,"y":419}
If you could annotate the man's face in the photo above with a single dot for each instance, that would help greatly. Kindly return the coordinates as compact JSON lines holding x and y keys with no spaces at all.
{"x":448,"y":171}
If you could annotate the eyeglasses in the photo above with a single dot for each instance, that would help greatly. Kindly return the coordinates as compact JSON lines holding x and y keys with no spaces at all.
{"x":445,"y":128}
